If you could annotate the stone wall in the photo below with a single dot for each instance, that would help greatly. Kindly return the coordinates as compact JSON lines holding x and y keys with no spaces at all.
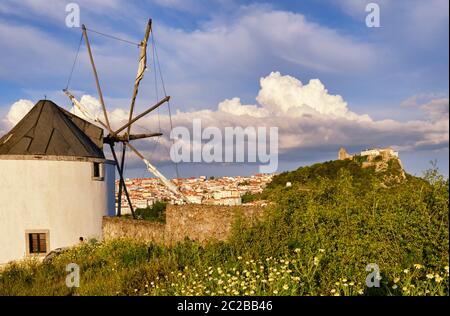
{"x":116,"y":227}
{"x":194,"y":221}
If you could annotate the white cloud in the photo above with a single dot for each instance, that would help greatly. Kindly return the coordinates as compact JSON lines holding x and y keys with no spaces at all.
{"x":308,"y":117}
{"x":247,"y":39}
{"x":17,"y":111}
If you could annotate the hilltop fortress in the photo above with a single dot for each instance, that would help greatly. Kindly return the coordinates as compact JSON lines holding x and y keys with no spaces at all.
{"x":379,"y":158}
{"x":371,"y":154}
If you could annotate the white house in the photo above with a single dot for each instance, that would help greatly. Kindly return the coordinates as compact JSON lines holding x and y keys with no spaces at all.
{"x":55,"y":183}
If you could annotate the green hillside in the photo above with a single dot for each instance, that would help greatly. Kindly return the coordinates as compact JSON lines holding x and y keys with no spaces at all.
{"x":317,"y":237}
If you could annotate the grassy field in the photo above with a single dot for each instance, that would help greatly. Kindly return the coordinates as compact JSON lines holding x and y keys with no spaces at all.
{"x":310,"y":242}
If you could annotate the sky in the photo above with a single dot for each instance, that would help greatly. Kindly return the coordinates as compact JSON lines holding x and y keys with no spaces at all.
{"x":312,"y":68}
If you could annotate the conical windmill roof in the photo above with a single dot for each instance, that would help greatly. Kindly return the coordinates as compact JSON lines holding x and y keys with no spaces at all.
{"x":50,"y":130}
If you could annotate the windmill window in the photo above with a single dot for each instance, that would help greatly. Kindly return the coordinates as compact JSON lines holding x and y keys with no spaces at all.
{"x":97,"y":171}
{"x":37,"y":242}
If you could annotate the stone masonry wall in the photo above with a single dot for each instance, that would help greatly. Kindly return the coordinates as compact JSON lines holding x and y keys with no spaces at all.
{"x":194,"y":221}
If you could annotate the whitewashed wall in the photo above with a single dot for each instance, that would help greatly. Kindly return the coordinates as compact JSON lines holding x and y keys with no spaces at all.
{"x":59,"y":196}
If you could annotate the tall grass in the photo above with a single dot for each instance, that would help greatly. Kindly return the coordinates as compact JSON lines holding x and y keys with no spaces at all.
{"x":309,"y":242}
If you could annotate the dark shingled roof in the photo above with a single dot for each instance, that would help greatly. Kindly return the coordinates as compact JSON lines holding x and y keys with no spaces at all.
{"x":50,"y":130}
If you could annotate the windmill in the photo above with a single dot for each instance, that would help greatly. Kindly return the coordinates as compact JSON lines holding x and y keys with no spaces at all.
{"x":123,"y":134}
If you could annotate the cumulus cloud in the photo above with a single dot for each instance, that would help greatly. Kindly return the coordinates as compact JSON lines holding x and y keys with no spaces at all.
{"x":308,"y":117}
{"x":17,"y":111}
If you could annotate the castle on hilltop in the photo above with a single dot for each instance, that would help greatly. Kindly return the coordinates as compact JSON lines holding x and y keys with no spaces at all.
{"x":370,"y":154}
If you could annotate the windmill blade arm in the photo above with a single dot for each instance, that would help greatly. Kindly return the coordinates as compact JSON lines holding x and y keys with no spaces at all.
{"x":141,"y":69}
{"x":125,"y":138}
{"x":172,"y":187}
{"x":82,"y":108}
{"x":97,"y":82}
{"x":128,"y":125}
{"x":141,"y":136}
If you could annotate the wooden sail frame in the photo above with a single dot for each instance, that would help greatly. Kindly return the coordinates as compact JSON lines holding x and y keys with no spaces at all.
{"x":113,"y":137}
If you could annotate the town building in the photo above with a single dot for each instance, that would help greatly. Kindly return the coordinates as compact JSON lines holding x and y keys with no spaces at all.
{"x":201,"y":190}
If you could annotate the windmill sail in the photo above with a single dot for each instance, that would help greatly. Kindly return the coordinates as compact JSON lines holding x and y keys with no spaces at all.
{"x":141,"y":69}
{"x":172,"y":187}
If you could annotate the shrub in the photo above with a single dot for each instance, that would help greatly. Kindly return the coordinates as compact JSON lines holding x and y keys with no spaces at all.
{"x":310,"y":242}
{"x":156,"y":212}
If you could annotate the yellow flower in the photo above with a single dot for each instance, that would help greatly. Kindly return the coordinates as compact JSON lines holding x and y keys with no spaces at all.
{"x":418,"y":266}
{"x":285,"y":287}
{"x":406,"y":271}
{"x":333,"y":291}
{"x":316,"y":261}
{"x":239,"y":258}
{"x":394,"y":286}
{"x":297,"y":250}
{"x":275,"y":292}
{"x":430,"y":276}
{"x":322,"y":250}
{"x":446,"y":269}
{"x":438,"y":278}
{"x":396,"y":280}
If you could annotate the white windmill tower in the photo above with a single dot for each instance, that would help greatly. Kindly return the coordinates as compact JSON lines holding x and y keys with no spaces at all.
{"x":123,"y":134}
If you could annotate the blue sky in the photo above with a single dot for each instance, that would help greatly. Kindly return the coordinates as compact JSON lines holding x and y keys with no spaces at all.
{"x":211,"y":51}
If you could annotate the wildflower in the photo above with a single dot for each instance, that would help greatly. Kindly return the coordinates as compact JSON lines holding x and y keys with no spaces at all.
{"x":275,"y":292}
{"x":297,"y":250}
{"x":337,"y":283}
{"x":333,"y":291}
{"x":360,"y":291}
{"x":404,"y":288}
{"x":337,"y":294}
{"x":394,"y":286}
{"x":438,"y":278}
{"x":285,"y":287}
{"x":406,"y":271}
{"x":352,"y":283}
{"x":316,"y":261}
{"x":396,"y":280}
{"x":344,"y":280}
{"x":418,"y":266}
{"x":446,"y":269}
{"x":430,"y":275}
{"x":239,"y":258}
